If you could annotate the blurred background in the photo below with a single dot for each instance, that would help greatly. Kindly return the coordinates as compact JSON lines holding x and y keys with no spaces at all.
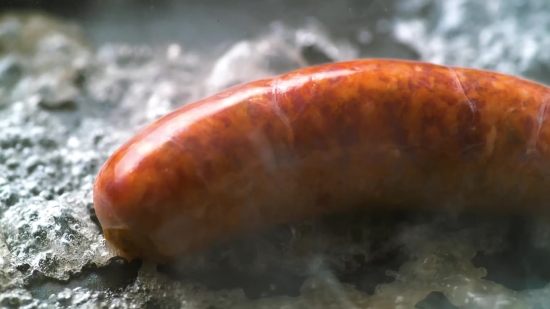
{"x":210,"y":26}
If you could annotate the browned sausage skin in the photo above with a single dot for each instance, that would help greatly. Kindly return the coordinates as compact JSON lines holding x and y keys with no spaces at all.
{"x":364,"y":133}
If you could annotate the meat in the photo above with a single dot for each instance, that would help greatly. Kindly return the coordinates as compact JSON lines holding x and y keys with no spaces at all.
{"x":338,"y":137}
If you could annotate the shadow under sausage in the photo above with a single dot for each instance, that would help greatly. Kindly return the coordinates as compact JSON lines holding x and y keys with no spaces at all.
{"x":357,"y":248}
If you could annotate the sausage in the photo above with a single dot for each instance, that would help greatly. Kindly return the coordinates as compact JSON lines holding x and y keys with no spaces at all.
{"x":362,"y":134}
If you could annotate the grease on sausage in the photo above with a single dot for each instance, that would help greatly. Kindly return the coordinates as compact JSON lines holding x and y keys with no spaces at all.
{"x":359,"y":134}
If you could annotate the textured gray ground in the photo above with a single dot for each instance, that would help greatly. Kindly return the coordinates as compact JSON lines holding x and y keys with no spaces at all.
{"x":66,"y":104}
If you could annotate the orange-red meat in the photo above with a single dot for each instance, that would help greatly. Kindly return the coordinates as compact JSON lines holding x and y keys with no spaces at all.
{"x":325,"y":139}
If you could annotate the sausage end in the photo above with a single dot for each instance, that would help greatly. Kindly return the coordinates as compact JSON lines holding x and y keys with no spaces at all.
{"x":131,"y":245}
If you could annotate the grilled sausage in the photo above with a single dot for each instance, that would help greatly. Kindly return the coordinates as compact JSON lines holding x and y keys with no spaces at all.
{"x":360,"y":134}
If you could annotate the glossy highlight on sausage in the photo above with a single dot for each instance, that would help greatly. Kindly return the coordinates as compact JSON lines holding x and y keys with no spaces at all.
{"x":360,"y":134}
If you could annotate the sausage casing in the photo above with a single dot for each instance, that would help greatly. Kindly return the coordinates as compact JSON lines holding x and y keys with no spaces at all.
{"x":330,"y":138}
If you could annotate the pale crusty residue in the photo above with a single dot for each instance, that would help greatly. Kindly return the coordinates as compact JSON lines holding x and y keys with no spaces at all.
{"x":540,"y":118}
{"x":264,"y":149}
{"x":460,"y":88}
{"x":274,"y":103}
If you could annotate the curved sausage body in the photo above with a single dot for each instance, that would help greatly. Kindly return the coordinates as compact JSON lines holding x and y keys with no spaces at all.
{"x":330,"y":138}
